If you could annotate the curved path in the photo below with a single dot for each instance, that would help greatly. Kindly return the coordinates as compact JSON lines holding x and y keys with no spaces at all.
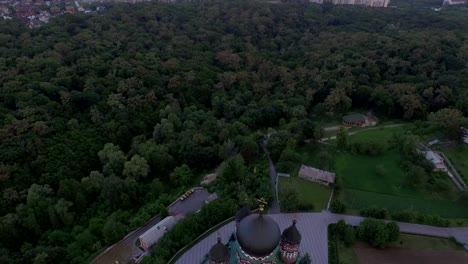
{"x":313,"y":227}
{"x":125,"y":250}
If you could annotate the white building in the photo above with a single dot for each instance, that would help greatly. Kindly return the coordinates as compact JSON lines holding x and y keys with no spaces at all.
{"x":436,"y":160}
{"x":373,"y":3}
{"x":150,"y":237}
{"x":455,"y":2}
{"x":319,"y":176}
{"x":465,"y":138}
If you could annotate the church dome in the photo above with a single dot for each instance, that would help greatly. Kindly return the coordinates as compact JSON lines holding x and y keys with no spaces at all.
{"x":291,"y":234}
{"x":219,"y":252}
{"x":258,"y":235}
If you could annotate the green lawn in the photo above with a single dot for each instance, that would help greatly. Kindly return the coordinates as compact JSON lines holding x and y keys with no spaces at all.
{"x":380,"y":134}
{"x":459,"y":158}
{"x":309,"y":192}
{"x":360,"y":172}
{"x":358,"y":199}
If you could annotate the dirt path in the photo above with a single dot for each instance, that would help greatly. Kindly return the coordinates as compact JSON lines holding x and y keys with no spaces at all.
{"x":359,"y":131}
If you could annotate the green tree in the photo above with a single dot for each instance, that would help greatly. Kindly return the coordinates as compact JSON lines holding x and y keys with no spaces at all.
{"x":337,"y":207}
{"x":181,"y":176}
{"x":137,"y":167}
{"x":113,"y":231}
{"x":290,"y":201}
{"x":393,"y":231}
{"x":338,"y":101}
{"x":450,"y":120}
{"x":112,"y":159}
{"x":342,"y":139}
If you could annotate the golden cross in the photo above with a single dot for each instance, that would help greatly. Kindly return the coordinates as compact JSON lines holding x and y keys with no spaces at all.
{"x":261,"y":204}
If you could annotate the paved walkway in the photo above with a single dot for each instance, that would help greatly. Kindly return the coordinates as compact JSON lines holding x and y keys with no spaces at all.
{"x":125,"y":250}
{"x":313,"y":227}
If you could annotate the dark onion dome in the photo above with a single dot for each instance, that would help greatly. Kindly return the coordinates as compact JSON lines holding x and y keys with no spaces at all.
{"x":242,"y":213}
{"x":219,"y":252}
{"x":258,"y":235}
{"x":291,"y":234}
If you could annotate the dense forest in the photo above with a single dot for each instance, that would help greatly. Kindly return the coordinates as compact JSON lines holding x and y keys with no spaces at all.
{"x":105,"y":119}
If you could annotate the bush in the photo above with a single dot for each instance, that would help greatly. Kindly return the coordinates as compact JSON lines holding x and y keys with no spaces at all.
{"x":305,"y":206}
{"x":377,"y":213}
{"x":393,"y":231}
{"x":415,"y":217}
{"x":349,"y":236}
{"x":337,"y":207}
{"x":369,"y":148}
{"x":375,"y":232}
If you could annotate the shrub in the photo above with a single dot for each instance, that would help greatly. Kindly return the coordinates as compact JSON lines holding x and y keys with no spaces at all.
{"x":337,"y":207}
{"x":370,"y":148}
{"x":415,"y":217}
{"x":393,"y":231}
{"x":349,"y":236}
{"x":375,"y":232}
{"x":377,"y":213}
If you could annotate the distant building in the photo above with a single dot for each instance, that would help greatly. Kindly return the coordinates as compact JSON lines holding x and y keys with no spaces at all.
{"x":433,"y":142}
{"x":372,"y":3}
{"x":465,"y":137}
{"x":455,"y":2}
{"x":354,"y":120}
{"x":312,"y":174}
{"x":436,"y":160}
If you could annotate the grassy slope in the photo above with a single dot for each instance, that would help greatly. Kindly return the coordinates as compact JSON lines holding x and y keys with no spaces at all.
{"x":309,"y":192}
{"x":459,"y":159}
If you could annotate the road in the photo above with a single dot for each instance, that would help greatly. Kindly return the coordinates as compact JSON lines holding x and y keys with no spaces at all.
{"x":274,"y":208}
{"x":125,"y":250}
{"x":313,"y":228}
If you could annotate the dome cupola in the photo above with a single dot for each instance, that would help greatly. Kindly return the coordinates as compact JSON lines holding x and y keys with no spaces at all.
{"x":258,"y":235}
{"x":219,"y":253}
{"x":290,"y":240}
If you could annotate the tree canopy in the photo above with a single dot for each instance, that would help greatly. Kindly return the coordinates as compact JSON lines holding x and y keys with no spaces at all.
{"x":100,"y":116}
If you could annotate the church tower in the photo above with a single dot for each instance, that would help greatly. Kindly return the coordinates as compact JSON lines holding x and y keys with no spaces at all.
{"x":290,"y":240}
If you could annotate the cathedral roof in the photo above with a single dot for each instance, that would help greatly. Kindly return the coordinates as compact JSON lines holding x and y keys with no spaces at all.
{"x":258,"y":235}
{"x":219,"y":252}
{"x":291,"y":234}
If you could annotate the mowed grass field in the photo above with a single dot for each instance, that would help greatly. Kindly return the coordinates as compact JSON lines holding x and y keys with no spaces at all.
{"x":308,"y":192}
{"x":364,"y":186}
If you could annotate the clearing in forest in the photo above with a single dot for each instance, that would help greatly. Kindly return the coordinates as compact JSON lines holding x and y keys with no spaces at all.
{"x":380,"y":181}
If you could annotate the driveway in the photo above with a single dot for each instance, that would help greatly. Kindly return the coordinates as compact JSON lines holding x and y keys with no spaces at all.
{"x":125,"y":250}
